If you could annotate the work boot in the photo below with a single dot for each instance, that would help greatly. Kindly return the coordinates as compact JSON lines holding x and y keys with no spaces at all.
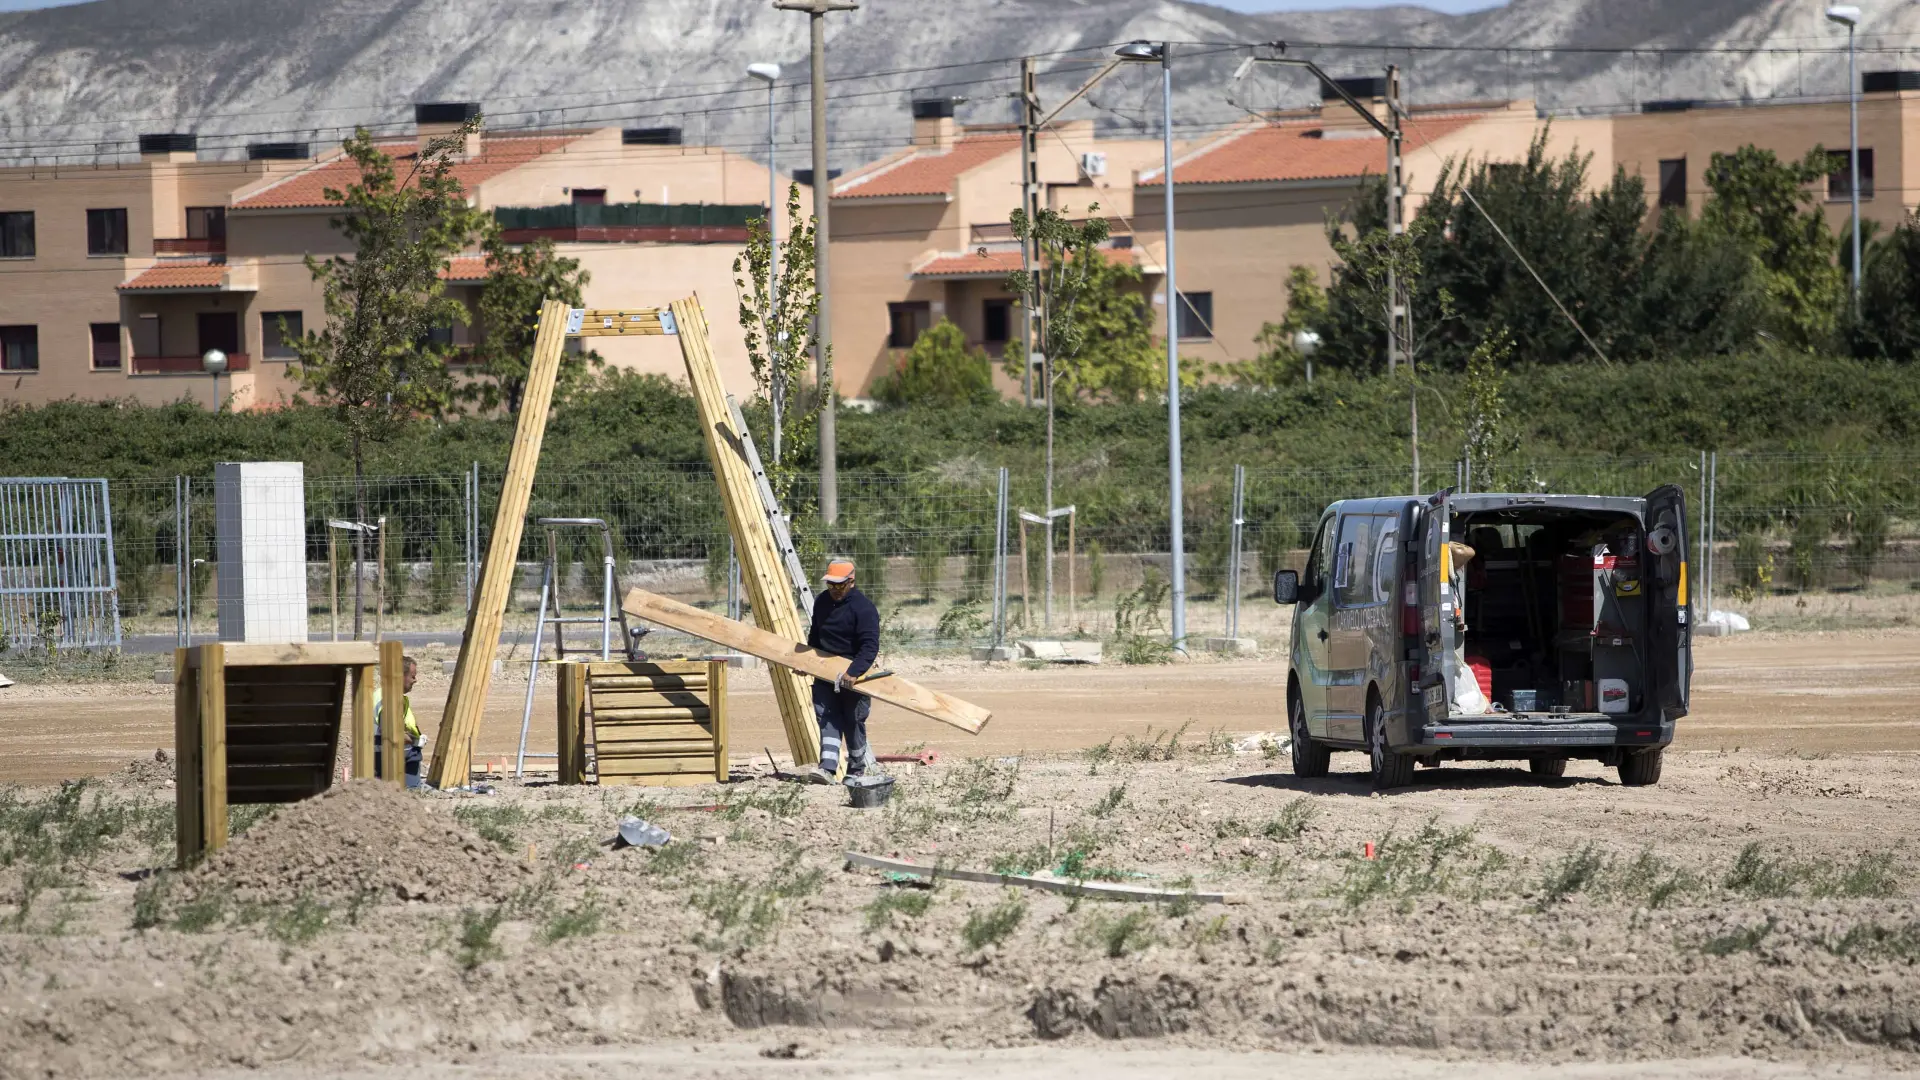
{"x":817,"y":775}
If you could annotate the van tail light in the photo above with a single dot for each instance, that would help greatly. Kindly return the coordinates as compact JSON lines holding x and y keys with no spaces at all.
{"x":1413,"y":673}
{"x":1410,"y":611}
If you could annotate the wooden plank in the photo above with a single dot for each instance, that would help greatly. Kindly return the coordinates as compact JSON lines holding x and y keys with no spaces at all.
{"x":701,"y":764}
{"x":620,"y":322}
{"x":623,"y":748}
{"x":363,"y":676}
{"x":188,"y":831}
{"x":893,"y":689}
{"x":761,"y":568}
{"x":309,"y":654}
{"x":644,"y":683}
{"x":1098,"y":890}
{"x":649,"y":715}
{"x":666,"y":780}
{"x":467,"y":699}
{"x":636,"y":699}
{"x":213,"y":745}
{"x":309,"y":776}
{"x":393,"y":696}
{"x":570,"y":720}
{"x":717,"y":678}
{"x":605,"y":733}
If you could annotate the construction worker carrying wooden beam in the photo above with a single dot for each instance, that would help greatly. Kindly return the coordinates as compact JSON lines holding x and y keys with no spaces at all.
{"x":415,"y":742}
{"x":845,"y":623}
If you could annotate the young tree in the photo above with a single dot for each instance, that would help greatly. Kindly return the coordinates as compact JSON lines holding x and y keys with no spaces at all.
{"x":1489,"y":443}
{"x":1763,"y":203}
{"x":1889,"y":323}
{"x":374,"y":363}
{"x":519,"y":279}
{"x":779,"y":321}
{"x":938,"y":371}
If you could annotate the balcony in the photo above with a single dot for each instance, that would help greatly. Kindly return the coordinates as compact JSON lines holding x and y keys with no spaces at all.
{"x":186,"y":365}
{"x":629,"y":223}
{"x":216,"y":245}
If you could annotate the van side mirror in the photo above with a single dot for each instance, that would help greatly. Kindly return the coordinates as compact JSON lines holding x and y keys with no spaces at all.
{"x":1286,"y":586}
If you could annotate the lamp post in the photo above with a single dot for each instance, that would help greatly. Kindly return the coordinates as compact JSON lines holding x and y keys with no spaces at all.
{"x":1306,"y":343}
{"x":1163,"y":52}
{"x":1848,"y":15}
{"x":769,"y":74}
{"x":213,"y":362}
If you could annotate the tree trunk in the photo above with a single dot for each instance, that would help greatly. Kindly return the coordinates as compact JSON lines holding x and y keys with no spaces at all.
{"x":359,"y":536}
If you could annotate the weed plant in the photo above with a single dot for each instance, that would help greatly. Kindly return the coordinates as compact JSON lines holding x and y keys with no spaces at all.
{"x":911,"y":901}
{"x":995,"y":924}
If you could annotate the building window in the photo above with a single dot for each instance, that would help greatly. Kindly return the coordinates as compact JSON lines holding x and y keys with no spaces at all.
{"x":106,"y":345}
{"x":206,"y":223}
{"x":589,"y":196}
{"x":107,"y":232}
{"x":440,"y":337}
{"x":19,"y":348}
{"x":907,"y":321}
{"x":1196,"y":314}
{"x":16,"y":234}
{"x":1673,"y":182}
{"x":1840,"y":174}
{"x":996,"y":322}
{"x":276,"y":344}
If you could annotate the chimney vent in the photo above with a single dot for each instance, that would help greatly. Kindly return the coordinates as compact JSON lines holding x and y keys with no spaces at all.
{"x":1886,"y":82}
{"x":1670,"y":105}
{"x":1362,"y":87}
{"x":279,"y":151}
{"x":173,"y":146}
{"x":804,"y":177}
{"x":932,"y":108}
{"x":445,"y":112}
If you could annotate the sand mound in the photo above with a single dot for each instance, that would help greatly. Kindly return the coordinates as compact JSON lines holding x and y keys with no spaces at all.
{"x":147,"y":772}
{"x":365,"y":841}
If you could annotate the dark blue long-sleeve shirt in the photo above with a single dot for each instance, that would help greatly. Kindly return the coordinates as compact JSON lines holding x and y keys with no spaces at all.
{"x":849,"y":628}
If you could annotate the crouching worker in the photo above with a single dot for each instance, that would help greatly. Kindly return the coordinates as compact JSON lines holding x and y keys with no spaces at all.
{"x":845,"y":623}
{"x":410,"y":672}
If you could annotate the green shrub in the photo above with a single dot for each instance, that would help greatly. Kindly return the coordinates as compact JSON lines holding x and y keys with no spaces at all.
{"x":995,"y":924}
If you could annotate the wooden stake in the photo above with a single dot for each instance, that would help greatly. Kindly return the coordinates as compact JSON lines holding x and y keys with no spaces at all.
{"x":213,"y":745}
{"x":393,"y":708}
{"x":363,"y":684}
{"x":717,"y":710}
{"x":569,"y":709}
{"x":467,"y":700}
{"x":189,"y":833}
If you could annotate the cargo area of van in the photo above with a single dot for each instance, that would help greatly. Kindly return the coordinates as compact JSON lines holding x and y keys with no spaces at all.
{"x":1555,"y":610}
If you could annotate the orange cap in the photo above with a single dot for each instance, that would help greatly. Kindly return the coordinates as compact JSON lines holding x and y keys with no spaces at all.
{"x":838,"y":570}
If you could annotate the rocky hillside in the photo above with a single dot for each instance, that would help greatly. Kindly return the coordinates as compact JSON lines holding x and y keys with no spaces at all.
{"x":78,"y":82}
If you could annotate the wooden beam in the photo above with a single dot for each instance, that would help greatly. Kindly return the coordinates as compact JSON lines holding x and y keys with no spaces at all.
{"x":188,"y":828}
{"x":460,"y":723}
{"x":717,"y":706}
{"x":761,"y":567}
{"x":796,"y":656}
{"x":569,"y":708}
{"x":620,"y":322}
{"x":212,"y":679}
{"x":1098,"y":890}
{"x":315,"y":653}
{"x":363,"y":684}
{"x":393,"y":703}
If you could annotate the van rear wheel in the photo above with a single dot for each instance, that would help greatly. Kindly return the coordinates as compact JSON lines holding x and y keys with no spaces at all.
{"x":1642,"y":769}
{"x":1553,"y":767}
{"x":1310,"y":759}
{"x":1390,"y":769}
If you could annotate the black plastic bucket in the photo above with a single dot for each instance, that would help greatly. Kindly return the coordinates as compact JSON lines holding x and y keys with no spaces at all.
{"x":869,"y":792}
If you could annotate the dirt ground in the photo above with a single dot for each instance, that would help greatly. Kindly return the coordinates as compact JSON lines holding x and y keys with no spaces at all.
{"x":1755,"y":914}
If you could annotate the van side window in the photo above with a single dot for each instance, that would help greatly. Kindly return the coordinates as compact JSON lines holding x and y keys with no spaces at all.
{"x":1316,"y":575}
{"x":1386,"y":554}
{"x":1355,"y":559}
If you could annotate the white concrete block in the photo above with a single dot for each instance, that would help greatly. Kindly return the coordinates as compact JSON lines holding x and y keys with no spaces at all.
{"x":993,"y":652}
{"x":1233,"y":646}
{"x":260,"y":529}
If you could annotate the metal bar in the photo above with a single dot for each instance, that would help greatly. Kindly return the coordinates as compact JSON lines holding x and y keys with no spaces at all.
{"x":533,"y":673}
{"x":1000,"y":565}
{"x":1235,"y":550}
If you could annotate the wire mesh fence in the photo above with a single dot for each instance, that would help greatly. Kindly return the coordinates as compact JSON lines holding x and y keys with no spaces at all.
{"x":925,"y":542}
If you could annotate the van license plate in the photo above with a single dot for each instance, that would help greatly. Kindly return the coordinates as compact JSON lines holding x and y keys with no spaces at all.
{"x":1436,"y":697}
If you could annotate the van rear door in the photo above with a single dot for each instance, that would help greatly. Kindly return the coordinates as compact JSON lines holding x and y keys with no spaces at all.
{"x":1669,"y":609}
{"x":1436,"y":631}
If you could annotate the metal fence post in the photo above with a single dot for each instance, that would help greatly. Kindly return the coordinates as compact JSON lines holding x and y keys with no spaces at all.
{"x":472,"y":529}
{"x":1000,"y":565}
{"x":1699,"y":597}
{"x":1713,"y":501}
{"x":1234,"y":547}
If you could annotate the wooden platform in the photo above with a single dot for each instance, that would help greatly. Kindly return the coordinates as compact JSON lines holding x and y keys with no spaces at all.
{"x":261,"y":724}
{"x":660,"y":723}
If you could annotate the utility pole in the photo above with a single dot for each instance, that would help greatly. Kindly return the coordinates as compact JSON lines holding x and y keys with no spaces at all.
{"x":1399,"y":300}
{"x":822,"y":200}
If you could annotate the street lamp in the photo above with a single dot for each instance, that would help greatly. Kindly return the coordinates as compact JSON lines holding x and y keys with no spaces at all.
{"x":1306,"y":343}
{"x":213,"y":362}
{"x":770,"y":74}
{"x":1848,"y":15}
{"x":1143,"y":51}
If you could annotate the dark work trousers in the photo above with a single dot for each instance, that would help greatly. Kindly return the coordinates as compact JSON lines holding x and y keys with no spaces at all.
{"x":843,"y":724}
{"x":411,"y":760}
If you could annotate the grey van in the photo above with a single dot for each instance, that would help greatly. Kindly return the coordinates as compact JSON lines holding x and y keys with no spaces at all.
{"x":1483,"y":627}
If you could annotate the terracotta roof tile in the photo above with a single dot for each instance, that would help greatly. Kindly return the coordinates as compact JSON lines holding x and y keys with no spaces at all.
{"x":466,"y":268}
{"x":927,"y":172}
{"x":998,"y":263}
{"x":307,"y":188}
{"x":1297,"y":151}
{"x":179,"y":274}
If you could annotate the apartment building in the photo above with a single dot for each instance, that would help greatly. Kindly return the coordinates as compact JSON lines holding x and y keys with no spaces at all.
{"x":124,"y":305}
{"x":1670,"y":143}
{"x":923,"y":235}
